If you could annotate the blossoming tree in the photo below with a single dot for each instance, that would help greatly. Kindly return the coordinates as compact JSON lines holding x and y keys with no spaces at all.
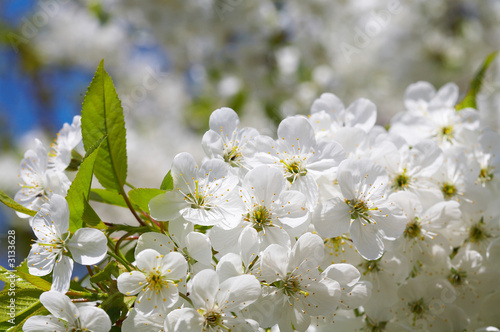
{"x":338,"y":224}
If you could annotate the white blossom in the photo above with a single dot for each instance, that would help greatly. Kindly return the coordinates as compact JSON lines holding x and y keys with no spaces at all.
{"x":54,"y":244}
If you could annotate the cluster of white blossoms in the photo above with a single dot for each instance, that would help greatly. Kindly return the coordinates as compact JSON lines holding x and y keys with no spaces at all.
{"x":338,"y":224}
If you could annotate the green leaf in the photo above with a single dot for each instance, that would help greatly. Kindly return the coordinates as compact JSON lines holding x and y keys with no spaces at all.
{"x":35,"y":281}
{"x":7,"y":277}
{"x":91,"y":218}
{"x":108,"y":197}
{"x":130,"y":255}
{"x":24,"y":280}
{"x":102,"y":115}
{"x":128,"y":228}
{"x":142,"y":196}
{"x":38,"y":310}
{"x":476,"y":83}
{"x":25,"y":300}
{"x":105,"y":275}
{"x":115,"y":305}
{"x":79,"y":191}
{"x":167,"y":183}
{"x":5,"y":199}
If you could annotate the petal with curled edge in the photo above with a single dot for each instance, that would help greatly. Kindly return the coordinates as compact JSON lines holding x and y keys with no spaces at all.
{"x":60,"y":306}
{"x":345,"y":274}
{"x":94,"y":319}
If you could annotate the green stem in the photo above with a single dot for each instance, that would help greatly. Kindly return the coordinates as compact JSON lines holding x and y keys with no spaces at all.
{"x":185,"y":297}
{"x":118,"y":256}
{"x":120,"y":240}
{"x":121,"y":260}
{"x":131,"y":208}
{"x":131,"y":186}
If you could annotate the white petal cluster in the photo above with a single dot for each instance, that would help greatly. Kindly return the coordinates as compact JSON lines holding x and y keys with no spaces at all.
{"x":56,"y":248}
{"x":339,"y":222}
{"x":43,"y":173}
{"x":336,"y":224}
{"x":66,"y":316}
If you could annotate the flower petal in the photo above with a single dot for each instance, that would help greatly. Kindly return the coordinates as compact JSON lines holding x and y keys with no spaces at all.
{"x":249,"y":245}
{"x":185,"y":319}
{"x":174,"y":266}
{"x":136,"y":321}
{"x":224,"y":121}
{"x":309,"y":247}
{"x":198,"y":247}
{"x":297,"y":133}
{"x":156,"y":241}
{"x":332,"y":218}
{"x":152,"y":300}
{"x":131,"y":283}
{"x":345,"y":274}
{"x":63,"y":269}
{"x":367,"y":239}
{"x":44,"y":324}
{"x":362,"y":113}
{"x":41,"y":259}
{"x":94,"y":319}
{"x":323,"y":297}
{"x":274,"y":263}
{"x":60,"y":306}
{"x":148,"y":260}
{"x":88,"y":246}
{"x":238,"y":292}
{"x":167,"y":206}
{"x":204,"y":286}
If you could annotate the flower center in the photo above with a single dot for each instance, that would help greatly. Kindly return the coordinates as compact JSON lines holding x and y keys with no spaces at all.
{"x":197,"y":199}
{"x":447,"y":132}
{"x":418,"y":309}
{"x":370,"y":266}
{"x":375,"y":326}
{"x":293,"y":169}
{"x":401,"y":181}
{"x":456,"y":277}
{"x":156,"y":282}
{"x":260,"y":217}
{"x":485,"y":175}
{"x":360,"y":210}
{"x":449,"y":190}
{"x":290,"y":286}
{"x":477,"y":233}
{"x":413,"y":229}
{"x":213,"y":319}
{"x":233,"y":156}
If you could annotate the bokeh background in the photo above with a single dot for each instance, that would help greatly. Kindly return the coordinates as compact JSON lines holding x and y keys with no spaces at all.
{"x":175,"y":61}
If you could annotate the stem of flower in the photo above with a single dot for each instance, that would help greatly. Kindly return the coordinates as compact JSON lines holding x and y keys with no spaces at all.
{"x":91,"y":273}
{"x":131,"y":186}
{"x":118,"y":256}
{"x":185,"y":297}
{"x":131,"y":208}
